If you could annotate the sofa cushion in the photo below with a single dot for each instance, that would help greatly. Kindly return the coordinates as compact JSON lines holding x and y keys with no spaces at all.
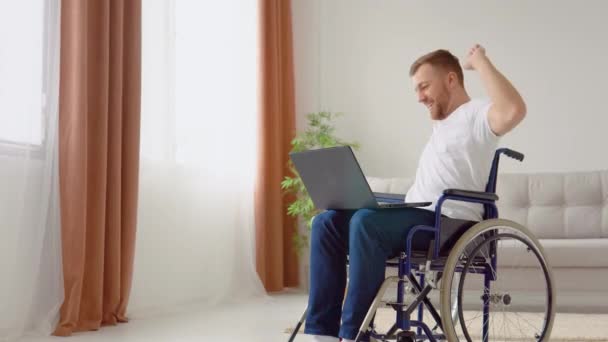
{"x":557,"y":205}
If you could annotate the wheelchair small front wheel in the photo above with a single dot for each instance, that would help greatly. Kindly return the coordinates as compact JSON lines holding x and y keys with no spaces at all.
{"x":505,"y":290}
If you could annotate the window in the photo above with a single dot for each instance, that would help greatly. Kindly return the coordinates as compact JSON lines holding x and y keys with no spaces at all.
{"x":216,"y":81}
{"x":22,"y":73}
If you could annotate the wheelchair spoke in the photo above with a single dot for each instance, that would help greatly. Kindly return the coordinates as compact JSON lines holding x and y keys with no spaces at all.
{"x":526,"y":321}
{"x":517,"y":321}
{"x":508,"y":320}
{"x":476,"y":317}
{"x":470,"y":322}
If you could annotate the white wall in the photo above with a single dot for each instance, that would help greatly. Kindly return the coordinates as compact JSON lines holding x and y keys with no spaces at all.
{"x":354,"y":56}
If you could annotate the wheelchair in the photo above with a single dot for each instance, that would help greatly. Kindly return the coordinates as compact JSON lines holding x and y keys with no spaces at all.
{"x":472,"y":265}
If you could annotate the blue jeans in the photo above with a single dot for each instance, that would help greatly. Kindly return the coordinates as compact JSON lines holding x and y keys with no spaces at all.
{"x":369,"y":237}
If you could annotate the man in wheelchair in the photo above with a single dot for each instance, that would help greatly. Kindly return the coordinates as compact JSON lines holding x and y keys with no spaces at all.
{"x":458,"y":155}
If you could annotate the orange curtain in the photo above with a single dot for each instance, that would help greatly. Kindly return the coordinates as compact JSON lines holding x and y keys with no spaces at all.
{"x":276,"y":260}
{"x":99,"y":118}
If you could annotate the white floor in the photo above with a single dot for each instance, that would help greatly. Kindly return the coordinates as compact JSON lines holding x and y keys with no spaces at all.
{"x":262,"y":319}
{"x":266,"y":319}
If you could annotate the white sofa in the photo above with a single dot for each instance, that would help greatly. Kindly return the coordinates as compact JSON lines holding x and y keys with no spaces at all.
{"x":568,"y":212}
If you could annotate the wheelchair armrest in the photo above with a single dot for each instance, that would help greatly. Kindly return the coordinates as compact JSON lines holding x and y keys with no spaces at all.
{"x":472,"y":194}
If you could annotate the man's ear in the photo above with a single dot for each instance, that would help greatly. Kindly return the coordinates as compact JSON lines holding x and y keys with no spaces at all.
{"x":452,"y":79}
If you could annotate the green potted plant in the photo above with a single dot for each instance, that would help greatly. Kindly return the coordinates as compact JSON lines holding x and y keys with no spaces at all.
{"x":319,"y":134}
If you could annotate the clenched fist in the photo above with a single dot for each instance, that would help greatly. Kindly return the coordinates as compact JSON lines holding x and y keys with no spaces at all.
{"x":476,"y":55}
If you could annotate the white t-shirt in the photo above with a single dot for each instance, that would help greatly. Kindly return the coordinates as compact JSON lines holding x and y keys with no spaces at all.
{"x":458,"y":156}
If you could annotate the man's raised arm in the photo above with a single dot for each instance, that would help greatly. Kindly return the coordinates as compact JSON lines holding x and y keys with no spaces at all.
{"x":508,"y":108}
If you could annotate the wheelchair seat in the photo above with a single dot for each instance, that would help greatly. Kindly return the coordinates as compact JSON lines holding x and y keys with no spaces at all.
{"x":451,"y":230}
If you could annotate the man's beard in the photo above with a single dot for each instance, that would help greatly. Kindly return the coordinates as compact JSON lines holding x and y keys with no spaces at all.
{"x":438,"y":109}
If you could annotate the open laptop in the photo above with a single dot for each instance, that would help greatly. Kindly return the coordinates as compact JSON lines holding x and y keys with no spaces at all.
{"x":334,"y":180}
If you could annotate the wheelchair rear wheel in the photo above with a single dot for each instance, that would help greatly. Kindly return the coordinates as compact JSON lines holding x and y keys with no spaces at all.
{"x":505,"y":291}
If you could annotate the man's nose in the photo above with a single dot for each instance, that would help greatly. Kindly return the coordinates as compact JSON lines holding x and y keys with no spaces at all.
{"x":421,"y":97}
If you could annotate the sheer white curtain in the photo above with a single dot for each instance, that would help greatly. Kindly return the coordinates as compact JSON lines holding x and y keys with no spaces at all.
{"x":31,"y":286}
{"x":198,"y":150}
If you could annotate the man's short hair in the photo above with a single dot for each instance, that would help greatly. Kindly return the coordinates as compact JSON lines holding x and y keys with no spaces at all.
{"x":442,"y":59}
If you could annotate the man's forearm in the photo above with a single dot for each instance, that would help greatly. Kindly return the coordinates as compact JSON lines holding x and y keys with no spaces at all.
{"x":504,"y":96}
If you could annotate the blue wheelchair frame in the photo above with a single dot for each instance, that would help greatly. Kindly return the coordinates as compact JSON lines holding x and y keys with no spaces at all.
{"x":434,"y":263}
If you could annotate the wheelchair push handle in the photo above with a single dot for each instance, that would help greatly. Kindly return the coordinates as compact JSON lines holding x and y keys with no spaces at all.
{"x":512,"y":154}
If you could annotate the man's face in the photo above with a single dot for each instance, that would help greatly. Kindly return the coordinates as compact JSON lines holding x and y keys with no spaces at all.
{"x":432,"y":90}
